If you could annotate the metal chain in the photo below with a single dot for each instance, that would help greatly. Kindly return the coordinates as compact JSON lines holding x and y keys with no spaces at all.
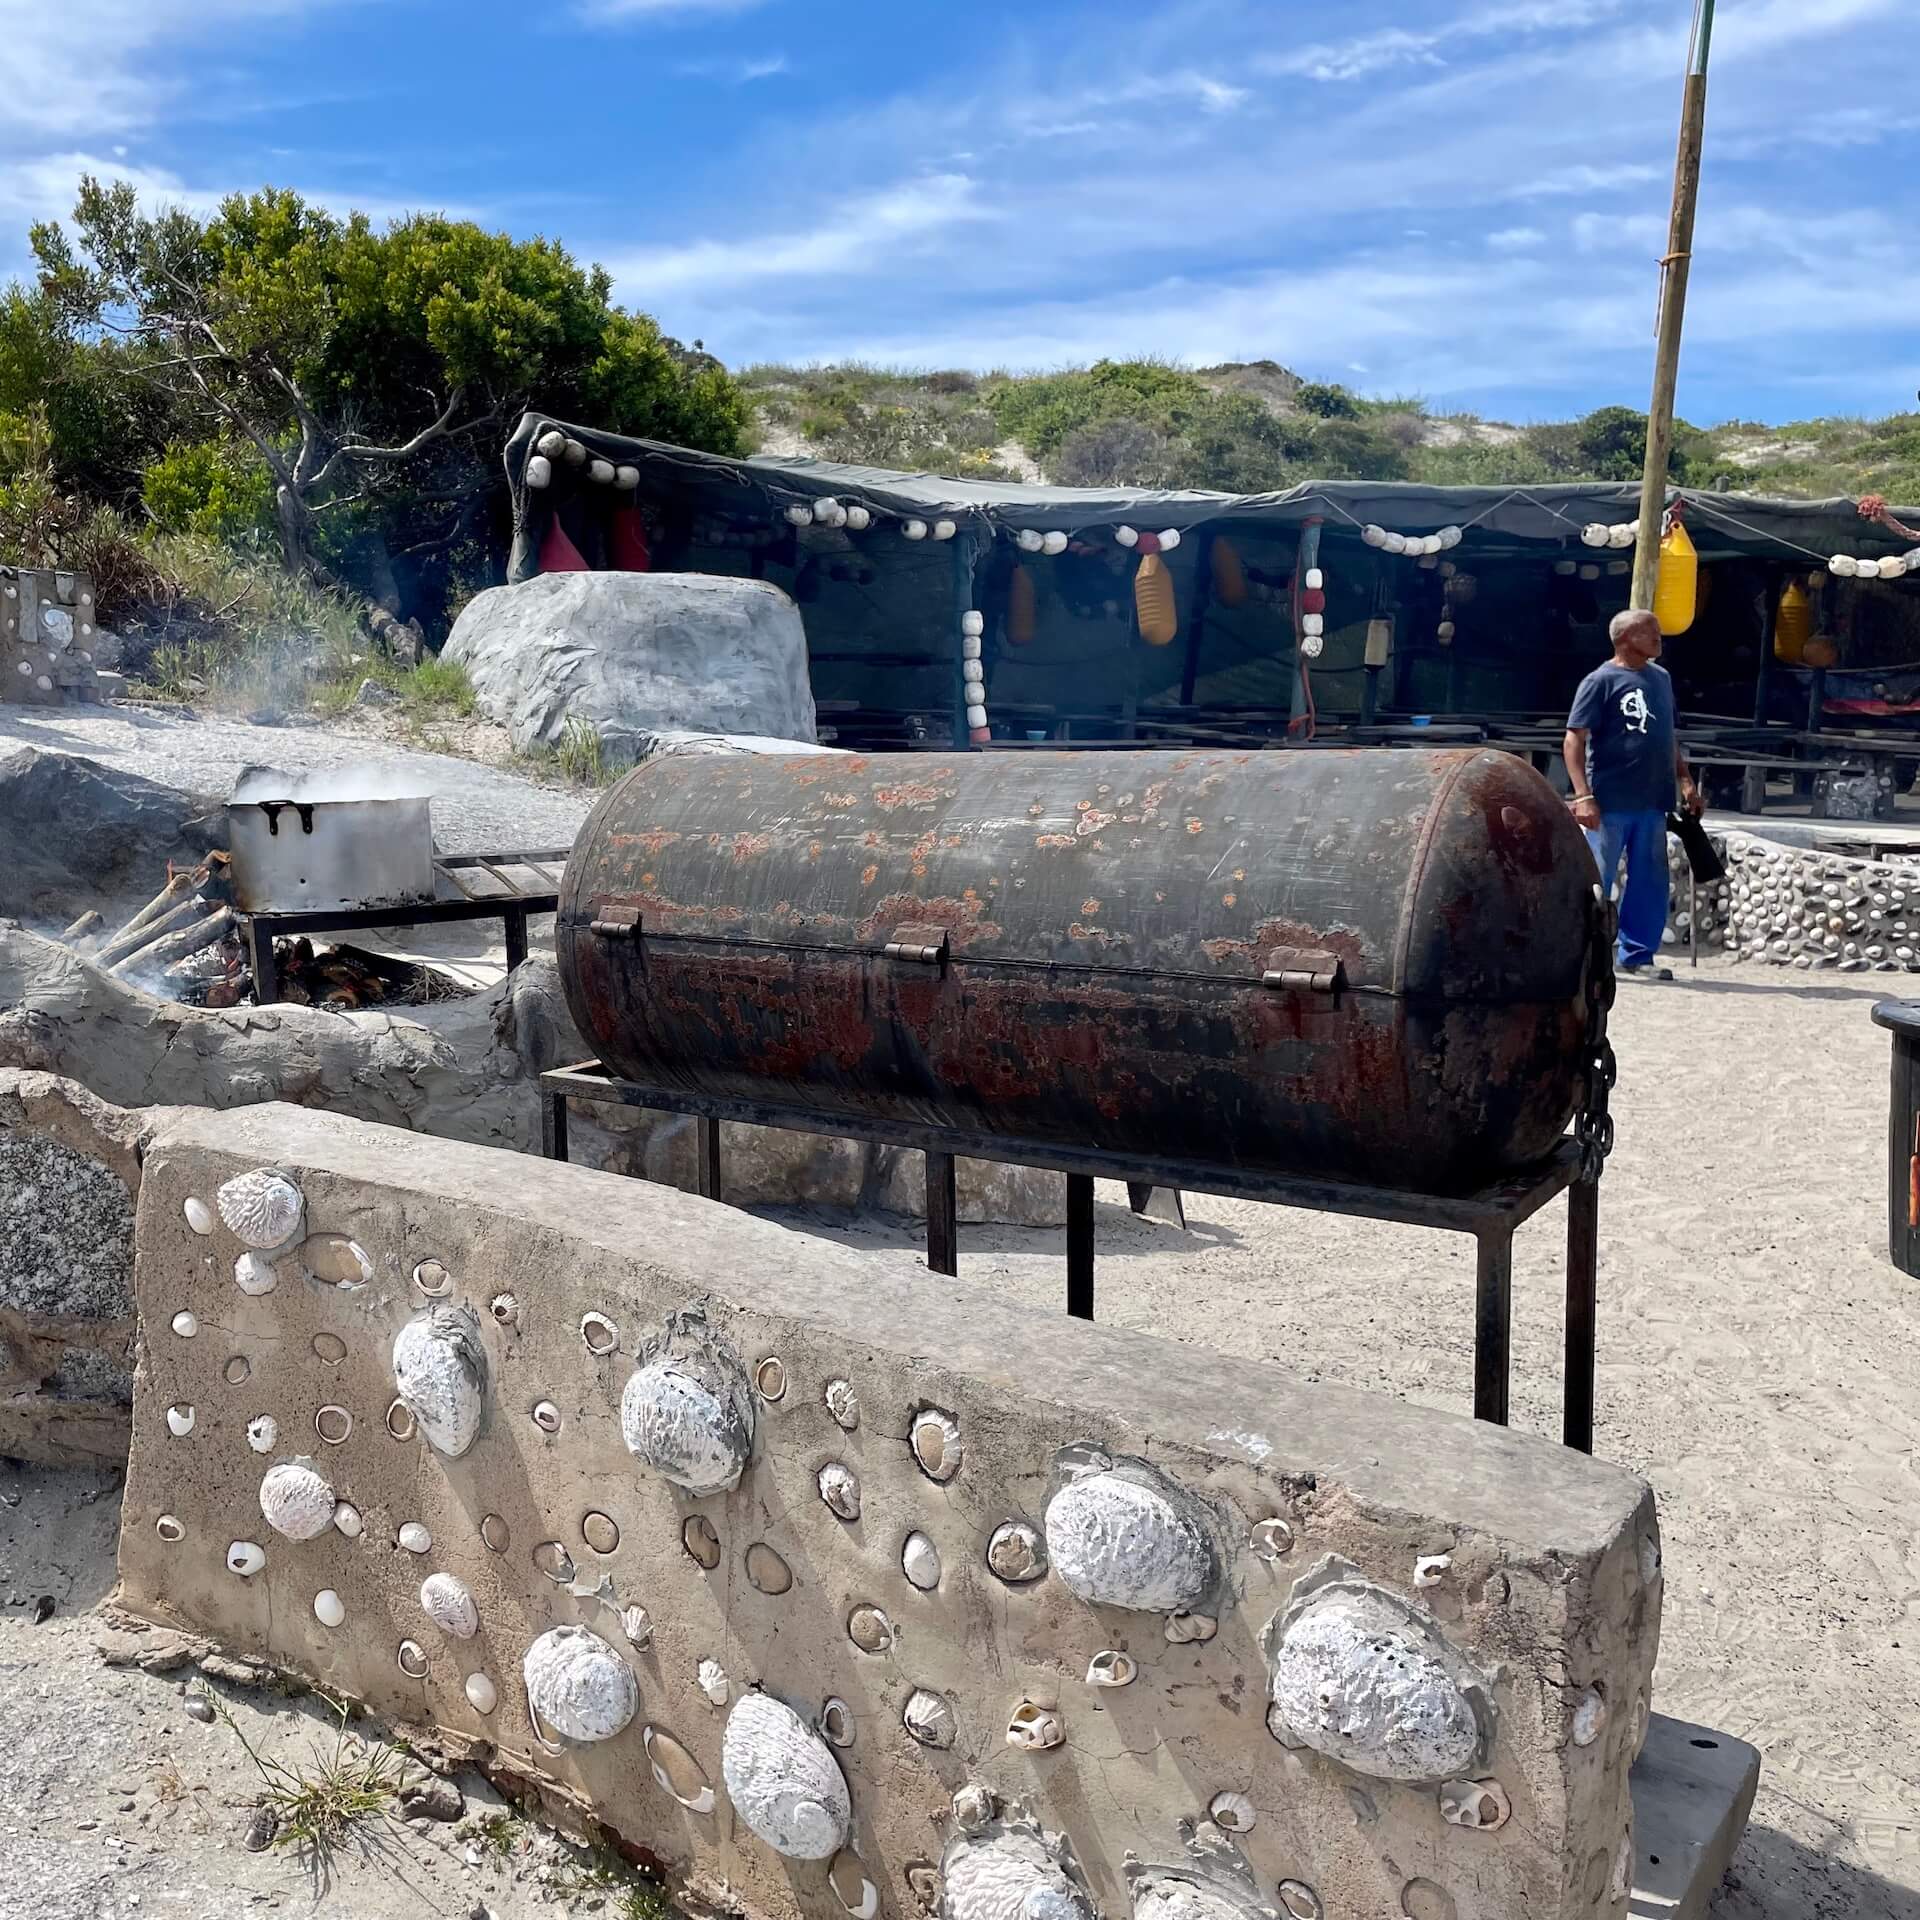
{"x":1593,"y":1125}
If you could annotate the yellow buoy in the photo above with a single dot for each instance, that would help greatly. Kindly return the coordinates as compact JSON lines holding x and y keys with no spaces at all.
{"x":1676,"y":587}
{"x":1229,"y":576}
{"x":1792,"y":624}
{"x":1153,"y":604}
{"x":1020,"y":608}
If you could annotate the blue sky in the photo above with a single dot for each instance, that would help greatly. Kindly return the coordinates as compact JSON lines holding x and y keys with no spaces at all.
{"x":1458,"y":198}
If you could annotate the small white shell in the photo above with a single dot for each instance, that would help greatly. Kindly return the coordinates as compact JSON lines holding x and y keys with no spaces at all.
{"x":263,"y":1431}
{"x":1480,"y":1804}
{"x":447,"y":1602}
{"x":930,"y":1718}
{"x":1589,"y":1717}
{"x":254,"y":1275}
{"x":262,"y":1209}
{"x":432,"y":1278}
{"x":346,"y":1520}
{"x":1185,"y":1628}
{"x":1271,"y":1539}
{"x":1232,"y":1812}
{"x":1299,"y":1901}
{"x":170,"y":1528}
{"x":185,"y":1325}
{"x":199,"y":1215}
{"x":482,"y":1695}
{"x":847,"y":1876}
{"x":936,"y":1442}
{"x":546,"y":1416}
{"x":836,"y":1722}
{"x":180,"y":1421}
{"x":505,"y":1308}
{"x":843,"y":1403}
{"x":245,"y":1558}
{"x":637,"y":1624}
{"x":784,"y":1781}
{"x":840,"y":1490}
{"x":1035,"y":1729}
{"x":1430,"y":1569}
{"x":1016,"y":1552}
{"x":712,"y":1677}
{"x":440,"y":1370}
{"x":328,"y":1608}
{"x":415,"y":1538}
{"x":1112,"y":1668}
{"x":578,"y":1685}
{"x":676,"y":1771}
{"x":598,"y":1333}
{"x":412,"y":1660}
{"x":296,"y":1501}
{"x":920,"y":1562}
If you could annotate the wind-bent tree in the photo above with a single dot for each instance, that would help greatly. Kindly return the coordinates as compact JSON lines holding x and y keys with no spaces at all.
{"x":369,"y":373}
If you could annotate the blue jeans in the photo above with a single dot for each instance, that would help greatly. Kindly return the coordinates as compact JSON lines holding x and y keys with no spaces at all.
{"x":1642,"y":837}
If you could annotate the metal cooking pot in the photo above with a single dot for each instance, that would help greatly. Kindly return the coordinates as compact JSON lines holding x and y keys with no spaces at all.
{"x":297,"y":851}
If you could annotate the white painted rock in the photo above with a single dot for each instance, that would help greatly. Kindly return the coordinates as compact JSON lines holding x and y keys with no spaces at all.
{"x":784,"y":1781}
{"x":1127,"y":1536}
{"x":440,"y":1373}
{"x":579,"y":1686}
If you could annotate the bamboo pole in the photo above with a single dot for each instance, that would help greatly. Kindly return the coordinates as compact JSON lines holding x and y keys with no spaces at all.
{"x":1673,"y":305}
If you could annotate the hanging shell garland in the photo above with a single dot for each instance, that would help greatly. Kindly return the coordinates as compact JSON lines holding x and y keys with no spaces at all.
{"x":261,"y":1209}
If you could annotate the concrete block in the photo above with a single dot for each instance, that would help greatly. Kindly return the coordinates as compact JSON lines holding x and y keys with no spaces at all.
{"x":840,"y":1591}
{"x":1692,"y":1791}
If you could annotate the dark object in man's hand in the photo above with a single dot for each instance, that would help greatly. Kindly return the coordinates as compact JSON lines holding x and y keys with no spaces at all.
{"x":1697,"y":846}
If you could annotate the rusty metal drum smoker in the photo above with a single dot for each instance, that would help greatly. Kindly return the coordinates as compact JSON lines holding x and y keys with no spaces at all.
{"x":1372,"y":980}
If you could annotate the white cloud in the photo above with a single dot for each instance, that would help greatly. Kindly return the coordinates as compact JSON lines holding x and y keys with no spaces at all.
{"x":737,"y":73}
{"x":613,"y":12}
{"x":1516,"y":239}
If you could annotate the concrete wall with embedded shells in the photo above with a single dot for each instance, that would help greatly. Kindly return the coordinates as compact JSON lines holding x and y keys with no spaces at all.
{"x":844,"y":1589}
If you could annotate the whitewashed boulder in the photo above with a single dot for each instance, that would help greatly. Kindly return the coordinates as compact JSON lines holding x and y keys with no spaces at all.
{"x":635,"y":656}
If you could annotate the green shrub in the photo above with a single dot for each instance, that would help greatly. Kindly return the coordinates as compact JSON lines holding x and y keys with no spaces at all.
{"x":1326,"y":402}
{"x":208,"y":488}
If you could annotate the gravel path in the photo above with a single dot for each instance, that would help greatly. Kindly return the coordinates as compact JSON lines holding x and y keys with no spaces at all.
{"x":474,"y":807}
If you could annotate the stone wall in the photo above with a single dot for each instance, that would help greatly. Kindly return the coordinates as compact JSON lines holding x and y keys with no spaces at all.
{"x":843,"y":1589}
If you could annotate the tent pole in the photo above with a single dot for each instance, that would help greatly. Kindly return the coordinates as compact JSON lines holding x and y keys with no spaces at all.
{"x":1763,"y":680}
{"x":1673,"y":305}
{"x":1202,"y":579}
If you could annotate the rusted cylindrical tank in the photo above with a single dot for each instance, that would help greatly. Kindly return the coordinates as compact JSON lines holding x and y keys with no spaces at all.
{"x":1363,"y":964}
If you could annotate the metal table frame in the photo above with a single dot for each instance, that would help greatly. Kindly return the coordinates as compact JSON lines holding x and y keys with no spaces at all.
{"x":1490,"y":1215}
{"x":512,"y":907}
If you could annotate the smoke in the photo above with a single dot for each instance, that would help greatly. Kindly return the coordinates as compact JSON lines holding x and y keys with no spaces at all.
{"x":368,"y":781}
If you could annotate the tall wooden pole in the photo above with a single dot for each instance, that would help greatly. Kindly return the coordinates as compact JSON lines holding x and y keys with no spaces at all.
{"x":1673,"y":305}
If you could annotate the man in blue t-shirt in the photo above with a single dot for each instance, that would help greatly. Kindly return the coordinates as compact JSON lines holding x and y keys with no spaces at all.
{"x":1625,"y":762}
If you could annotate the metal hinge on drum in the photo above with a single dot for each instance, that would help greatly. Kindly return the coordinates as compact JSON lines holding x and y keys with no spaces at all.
{"x":925,"y":946}
{"x":616,"y":923}
{"x":1308,"y":969}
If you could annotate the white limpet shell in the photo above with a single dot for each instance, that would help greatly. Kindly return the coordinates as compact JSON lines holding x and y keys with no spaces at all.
{"x":930,"y":1718}
{"x":328,"y":1608}
{"x":1008,"y":1872}
{"x":1035,"y":1729}
{"x":505,"y":1309}
{"x":1112,"y":1669}
{"x":712,"y":1677}
{"x":254,"y":1275}
{"x":676,"y":1771}
{"x":843,"y":1403}
{"x":185,"y":1324}
{"x":297,"y":1502}
{"x":263,"y":1431}
{"x":598,"y":1333}
{"x":836,"y":1722}
{"x":1232,"y":1812}
{"x":347,"y":1521}
{"x":448,"y":1603}
{"x":936,"y":1443}
{"x":199,"y":1214}
{"x":180,"y":1421}
{"x":840,"y":1490}
{"x":170,"y":1528}
{"x":440,"y":1371}
{"x":578,"y":1685}
{"x":1362,"y":1675}
{"x":246,"y":1558}
{"x":687,"y":1411}
{"x":1121,"y":1534}
{"x":482,"y":1695}
{"x":415,"y":1538}
{"x":262,"y":1209}
{"x":1480,"y":1804}
{"x":1016,"y":1552}
{"x":784,"y":1781}
{"x":1589,"y":1717}
{"x":920,"y":1562}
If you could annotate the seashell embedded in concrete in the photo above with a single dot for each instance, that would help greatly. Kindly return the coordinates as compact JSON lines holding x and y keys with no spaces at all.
{"x":1363,"y":1676}
{"x":701,"y":1541}
{"x":263,"y":1430}
{"x":347,"y":1521}
{"x":937,"y":1446}
{"x":546,"y":1416}
{"x":974,"y":1808}
{"x":335,"y":1261}
{"x":412,"y":1660}
{"x":920,"y":1562}
{"x":180,"y":1421}
{"x":333,"y":1425}
{"x":328,"y":1608}
{"x":1214,"y":1883}
{"x":1589,"y":1715}
{"x":676,"y":1771}
{"x":784,"y":1781}
{"x":930,"y":1718}
{"x":1112,"y":1669}
{"x":770,"y":1379}
{"x":296,"y":1501}
{"x":1035,"y":1729}
{"x":598,"y":1333}
{"x":1232,"y":1812}
{"x":1016,"y":1552}
{"x":1008,"y":1872}
{"x":1480,"y":1804}
{"x":254,"y":1275}
{"x":687,"y":1411}
{"x":554,"y":1561}
{"x":482,"y":1695}
{"x":414,"y":1538}
{"x":447,"y":1601}
{"x":578,"y":1685}
{"x":1271,"y":1539}
{"x":1299,"y":1901}
{"x":1420,"y":1899}
{"x":869,"y":1629}
{"x":847,"y":1876}
{"x":601,"y":1532}
{"x":843,"y":1403}
{"x":440,"y":1372}
{"x":1127,"y":1536}
{"x":836,"y":1722}
{"x":923,"y":1882}
{"x":765,"y":1568}
{"x":237,"y":1371}
{"x":329,"y":1349}
{"x":840,"y":1490}
{"x":262,"y":1209}
{"x":432,"y":1278}
{"x":1186,"y":1628}
{"x":199,"y":1215}
{"x":245,"y":1558}
{"x":400,"y":1421}
{"x":495,"y":1535}
{"x":1430,"y":1569}
{"x":712,"y":1679}
{"x":170,"y":1528}
{"x":185,"y":1324}
{"x":637,"y":1624}
{"x":505,"y":1309}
